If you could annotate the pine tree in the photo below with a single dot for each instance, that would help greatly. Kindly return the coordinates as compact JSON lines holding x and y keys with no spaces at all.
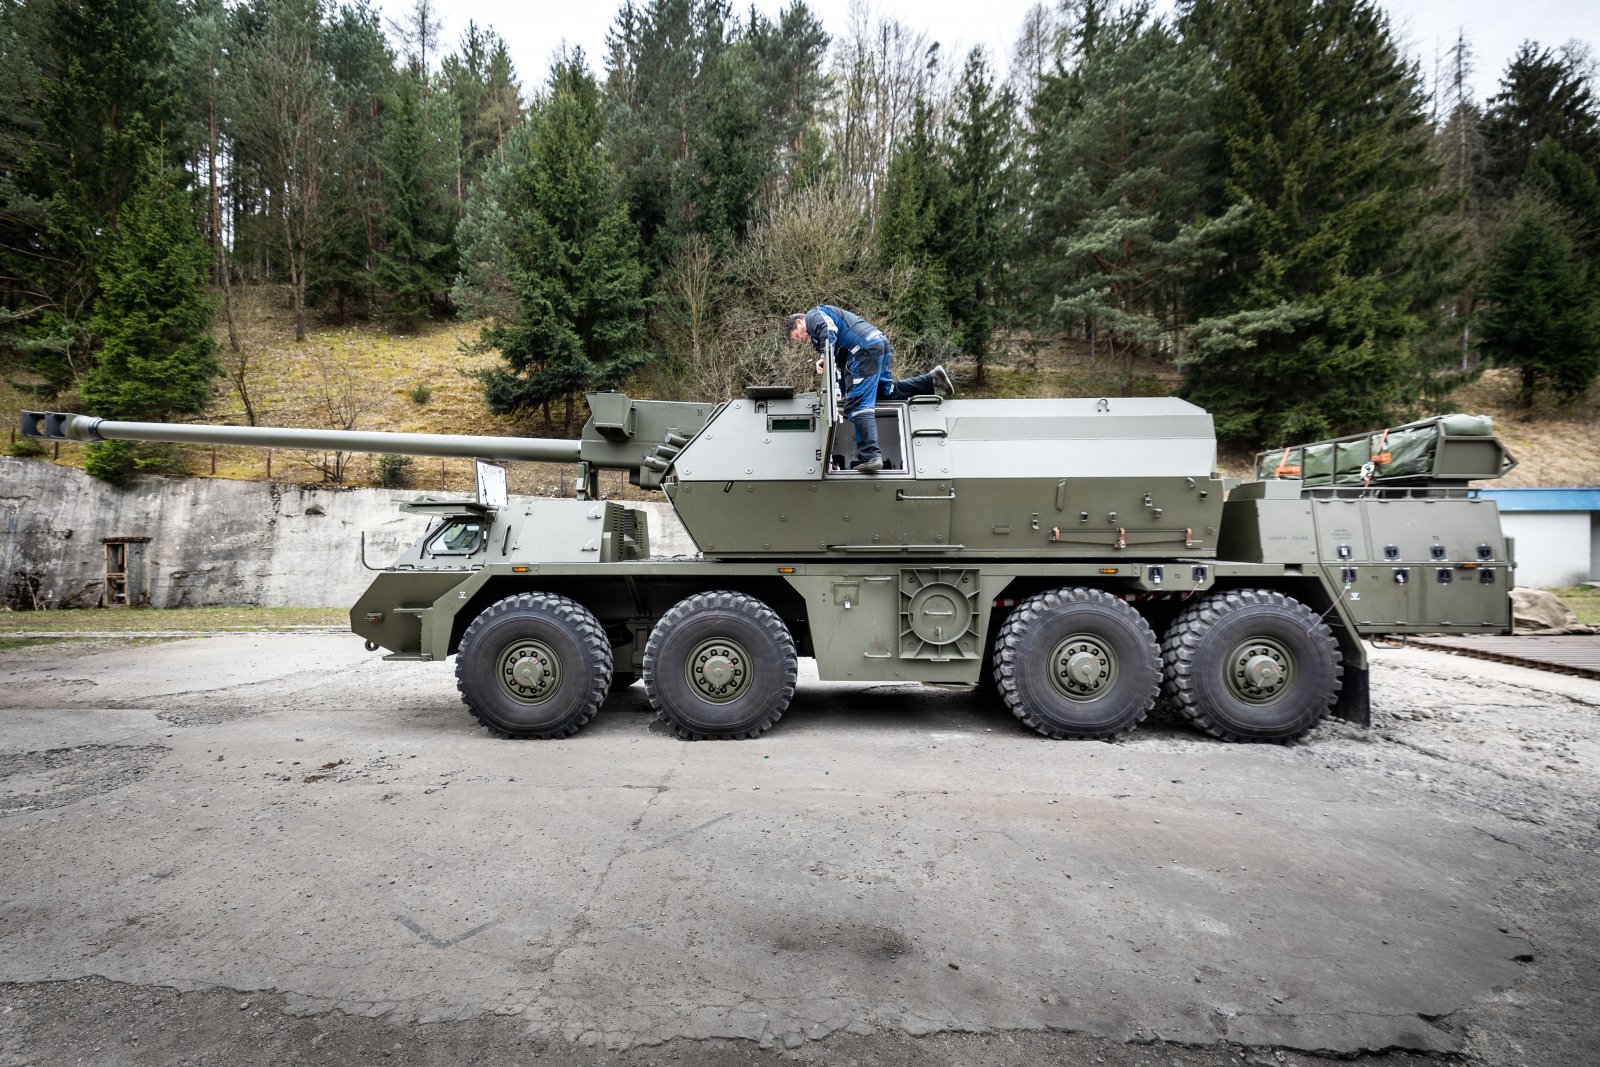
{"x":1309,"y":326}
{"x":573,"y":265}
{"x":914,"y":209}
{"x":708,"y":114}
{"x":153,"y":320}
{"x":1118,"y":177}
{"x":285,"y":132}
{"x":418,"y":252}
{"x":1544,"y":315}
{"x":481,"y":82}
{"x":981,"y":223}
{"x":341,"y":277}
{"x":92,"y":93}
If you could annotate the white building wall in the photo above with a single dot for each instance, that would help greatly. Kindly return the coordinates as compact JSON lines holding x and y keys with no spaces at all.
{"x":212,"y":541}
{"x":1554,"y":548}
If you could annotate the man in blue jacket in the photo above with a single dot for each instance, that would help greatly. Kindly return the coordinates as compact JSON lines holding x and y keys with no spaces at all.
{"x":861,"y":355}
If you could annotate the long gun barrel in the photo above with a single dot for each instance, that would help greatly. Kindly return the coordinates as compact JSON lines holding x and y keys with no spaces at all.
{"x":59,"y":426}
{"x":638,"y":436}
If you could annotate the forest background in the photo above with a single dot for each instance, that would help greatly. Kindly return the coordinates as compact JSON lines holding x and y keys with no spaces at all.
{"x":1265,"y":206}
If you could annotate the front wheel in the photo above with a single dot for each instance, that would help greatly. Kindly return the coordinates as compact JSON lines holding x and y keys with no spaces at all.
{"x":1077,"y":663}
{"x":1251,"y":665}
{"x":720,"y":665}
{"x":535,"y":665}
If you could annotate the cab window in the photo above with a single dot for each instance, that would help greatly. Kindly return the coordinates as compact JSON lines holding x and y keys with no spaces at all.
{"x":457,"y":537}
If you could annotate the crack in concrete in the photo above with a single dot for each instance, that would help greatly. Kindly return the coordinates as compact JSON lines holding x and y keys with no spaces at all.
{"x":581,"y":926}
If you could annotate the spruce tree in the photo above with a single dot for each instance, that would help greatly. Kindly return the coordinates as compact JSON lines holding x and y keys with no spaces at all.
{"x":913,"y":213}
{"x":1310,"y":324}
{"x":481,"y":83}
{"x":572,"y":265}
{"x":981,"y":225}
{"x":153,"y":320}
{"x":1541,"y":135}
{"x":418,"y":253}
{"x":92,"y":93}
{"x":1544,"y":316}
{"x":1545,"y":98}
{"x":341,"y":277}
{"x":1119,"y":177}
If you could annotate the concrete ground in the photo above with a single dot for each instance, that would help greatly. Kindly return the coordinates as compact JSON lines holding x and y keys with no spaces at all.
{"x":272,"y":848}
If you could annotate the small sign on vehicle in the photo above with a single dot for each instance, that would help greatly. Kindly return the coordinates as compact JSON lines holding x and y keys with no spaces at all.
{"x":491,"y":479}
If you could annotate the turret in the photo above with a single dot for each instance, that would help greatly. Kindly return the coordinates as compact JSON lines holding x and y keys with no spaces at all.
{"x":770,"y":475}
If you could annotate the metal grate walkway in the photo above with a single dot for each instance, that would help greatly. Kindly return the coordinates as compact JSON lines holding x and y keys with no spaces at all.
{"x":1577,"y":654}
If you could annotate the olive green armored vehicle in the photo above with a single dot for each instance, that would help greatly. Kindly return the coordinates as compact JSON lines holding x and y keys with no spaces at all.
{"x":1078,"y":557}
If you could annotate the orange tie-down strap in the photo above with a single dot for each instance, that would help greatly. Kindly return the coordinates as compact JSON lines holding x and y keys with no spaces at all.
{"x":1379,"y":457}
{"x":1284,"y":468}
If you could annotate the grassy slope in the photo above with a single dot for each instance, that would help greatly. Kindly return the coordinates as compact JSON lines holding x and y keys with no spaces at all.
{"x":1555,"y":447}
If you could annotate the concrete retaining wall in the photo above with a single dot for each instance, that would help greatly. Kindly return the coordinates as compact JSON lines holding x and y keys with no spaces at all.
{"x":212,"y":541}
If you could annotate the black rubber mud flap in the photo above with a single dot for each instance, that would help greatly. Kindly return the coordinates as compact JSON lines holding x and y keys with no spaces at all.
{"x":1355,"y":698}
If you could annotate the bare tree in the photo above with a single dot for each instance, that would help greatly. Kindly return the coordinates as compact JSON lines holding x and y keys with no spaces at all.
{"x":418,"y":31}
{"x":285,"y":111}
{"x":340,"y":398}
{"x":1041,"y":49}
{"x":689,"y":287}
{"x":786,"y":265}
{"x":881,"y":68}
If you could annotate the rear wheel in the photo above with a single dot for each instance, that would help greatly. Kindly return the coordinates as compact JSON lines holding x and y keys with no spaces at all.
{"x":1077,"y":663}
{"x":534,"y":665}
{"x":720,"y":665}
{"x":1251,"y":665}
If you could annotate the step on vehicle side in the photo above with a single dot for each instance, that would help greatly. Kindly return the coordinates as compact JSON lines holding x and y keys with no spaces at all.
{"x":1080,"y":557}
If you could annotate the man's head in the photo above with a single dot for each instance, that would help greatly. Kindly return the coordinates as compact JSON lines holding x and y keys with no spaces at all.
{"x":795,"y":327}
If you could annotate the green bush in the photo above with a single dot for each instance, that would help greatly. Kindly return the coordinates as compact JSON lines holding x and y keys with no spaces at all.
{"x":394,"y":472}
{"x":25,"y":448}
{"x":113,"y":462}
{"x":421,"y":394}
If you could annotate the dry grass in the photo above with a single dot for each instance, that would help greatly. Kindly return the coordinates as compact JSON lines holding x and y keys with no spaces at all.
{"x":194,"y":620}
{"x":78,"y":625}
{"x":1555,"y":446}
{"x":1584,"y":600}
{"x":285,"y":380}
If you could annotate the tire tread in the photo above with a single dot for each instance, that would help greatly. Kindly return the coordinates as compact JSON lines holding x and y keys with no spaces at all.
{"x":1026,"y":615}
{"x":1182,"y":644}
{"x":755,"y":611}
{"x":590,"y":634}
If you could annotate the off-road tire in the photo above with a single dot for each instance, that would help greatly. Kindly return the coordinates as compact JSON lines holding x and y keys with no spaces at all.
{"x":550,"y":627}
{"x":1217,"y":637}
{"x":759,"y":678}
{"x":1047,"y":635}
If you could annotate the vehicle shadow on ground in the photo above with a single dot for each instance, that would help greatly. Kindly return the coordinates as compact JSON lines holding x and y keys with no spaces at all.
{"x":894,"y":707}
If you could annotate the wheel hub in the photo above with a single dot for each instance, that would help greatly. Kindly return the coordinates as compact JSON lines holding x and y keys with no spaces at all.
{"x":529,"y":671}
{"x":1259,"y":670}
{"x":718,"y":670}
{"x":1082,"y":667}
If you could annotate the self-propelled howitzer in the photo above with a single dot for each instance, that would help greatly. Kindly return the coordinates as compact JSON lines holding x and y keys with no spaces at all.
{"x":1078,"y":557}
